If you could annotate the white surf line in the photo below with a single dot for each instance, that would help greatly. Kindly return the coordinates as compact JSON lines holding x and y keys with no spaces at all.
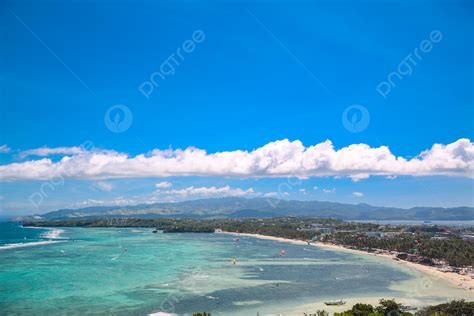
{"x":53,"y":233}
{"x":29,"y":244}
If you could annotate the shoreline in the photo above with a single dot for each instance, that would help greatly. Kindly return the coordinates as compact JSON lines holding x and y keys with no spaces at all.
{"x":464,"y":282}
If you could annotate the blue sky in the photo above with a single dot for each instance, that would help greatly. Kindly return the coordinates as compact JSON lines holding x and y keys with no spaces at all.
{"x":265,"y":71}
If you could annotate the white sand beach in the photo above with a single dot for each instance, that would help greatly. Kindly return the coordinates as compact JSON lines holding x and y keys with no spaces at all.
{"x":417,"y":293}
{"x":464,"y":282}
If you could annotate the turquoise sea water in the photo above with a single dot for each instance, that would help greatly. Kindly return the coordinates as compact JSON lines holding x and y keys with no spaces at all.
{"x":136,"y":272}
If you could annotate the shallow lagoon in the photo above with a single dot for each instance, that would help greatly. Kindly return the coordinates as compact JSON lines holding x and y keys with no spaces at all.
{"x":133,"y":271}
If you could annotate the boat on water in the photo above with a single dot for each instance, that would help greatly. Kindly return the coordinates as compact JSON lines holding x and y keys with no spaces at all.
{"x":407,"y":308}
{"x":335,"y":303}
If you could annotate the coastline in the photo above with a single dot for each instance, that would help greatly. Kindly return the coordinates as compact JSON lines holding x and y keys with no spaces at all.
{"x":464,"y":282}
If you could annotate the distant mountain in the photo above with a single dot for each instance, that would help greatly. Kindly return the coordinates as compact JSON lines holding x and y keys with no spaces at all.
{"x":237,"y":207}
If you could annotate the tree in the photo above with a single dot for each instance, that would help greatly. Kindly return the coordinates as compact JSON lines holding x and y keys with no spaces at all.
{"x":361,"y":309}
{"x":460,"y":307}
{"x":389,"y":308}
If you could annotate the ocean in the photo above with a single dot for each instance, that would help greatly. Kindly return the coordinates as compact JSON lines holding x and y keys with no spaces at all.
{"x":136,"y":272}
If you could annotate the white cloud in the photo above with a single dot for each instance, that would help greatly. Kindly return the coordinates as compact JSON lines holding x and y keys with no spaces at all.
{"x":104,"y":186}
{"x":333,"y":190}
{"x":357,"y":194}
{"x":4,"y":149}
{"x":163,"y":185}
{"x":208,"y":191}
{"x":46,"y":151}
{"x":117,"y":201}
{"x":276,"y":159}
{"x":302,"y":191}
{"x":270,"y":194}
{"x":315,"y":188}
{"x":168,"y":196}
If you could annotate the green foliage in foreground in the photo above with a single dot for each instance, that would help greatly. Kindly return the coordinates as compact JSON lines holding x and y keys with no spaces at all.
{"x":385,"y":307}
{"x":392,"y":308}
{"x":457,"y":308}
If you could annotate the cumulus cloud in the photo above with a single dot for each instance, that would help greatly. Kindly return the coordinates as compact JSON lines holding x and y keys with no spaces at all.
{"x":281,"y":158}
{"x":46,"y":151}
{"x":208,"y":191}
{"x":104,"y":186}
{"x":357,"y":194}
{"x":163,"y":185}
{"x":4,"y":149}
{"x":333,"y":190}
